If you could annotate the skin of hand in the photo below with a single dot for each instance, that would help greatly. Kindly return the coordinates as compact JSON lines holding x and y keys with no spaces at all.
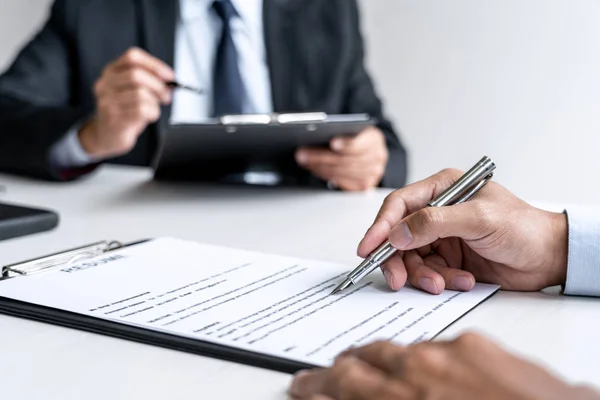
{"x":493,"y":238}
{"x":129,"y":94}
{"x":467,"y":368}
{"x":352,"y":164}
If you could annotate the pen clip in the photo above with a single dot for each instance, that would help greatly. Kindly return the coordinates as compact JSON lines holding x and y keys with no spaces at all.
{"x":466,"y":184}
{"x":475,"y":189}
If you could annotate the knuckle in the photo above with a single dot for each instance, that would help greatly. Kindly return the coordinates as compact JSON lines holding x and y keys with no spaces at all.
{"x":420,"y":351}
{"x":348,"y":377}
{"x":379,"y":347}
{"x":431,"y":359}
{"x":343,"y":367}
{"x":134,"y":76}
{"x":388,"y":207}
{"x":452,"y":173}
{"x":469,"y":341}
{"x":338,"y":370}
{"x":385,"y":350}
{"x":446,"y":178}
{"x":391,"y":198}
{"x":98,"y":87}
{"x":430,"y":218}
{"x":132,"y":55}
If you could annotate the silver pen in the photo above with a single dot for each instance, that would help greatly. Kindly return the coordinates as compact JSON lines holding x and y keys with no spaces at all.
{"x":177,"y":85}
{"x":462,"y":190}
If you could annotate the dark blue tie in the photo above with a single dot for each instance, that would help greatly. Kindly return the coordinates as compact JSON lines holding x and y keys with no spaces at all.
{"x":228,"y":88}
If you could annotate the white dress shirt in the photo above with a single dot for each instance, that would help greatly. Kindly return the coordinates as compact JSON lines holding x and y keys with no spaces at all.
{"x":583,"y":271}
{"x":197,"y":34}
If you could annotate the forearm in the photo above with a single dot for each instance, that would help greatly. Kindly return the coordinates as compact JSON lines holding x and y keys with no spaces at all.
{"x":30,"y":132}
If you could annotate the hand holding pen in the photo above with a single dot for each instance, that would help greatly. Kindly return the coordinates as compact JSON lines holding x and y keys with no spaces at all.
{"x":425,"y":204}
{"x":493,"y":238}
{"x":129,"y":95}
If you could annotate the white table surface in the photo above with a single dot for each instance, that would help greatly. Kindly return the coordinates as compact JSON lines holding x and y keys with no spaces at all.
{"x":40,"y":361}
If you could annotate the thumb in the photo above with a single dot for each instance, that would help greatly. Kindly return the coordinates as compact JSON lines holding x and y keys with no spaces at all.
{"x":432,"y":223}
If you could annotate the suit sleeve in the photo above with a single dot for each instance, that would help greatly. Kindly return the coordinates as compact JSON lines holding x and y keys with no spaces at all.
{"x":362,"y":98}
{"x":36,"y":101}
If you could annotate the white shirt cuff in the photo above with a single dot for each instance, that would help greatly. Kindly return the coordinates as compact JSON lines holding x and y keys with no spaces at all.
{"x":68,"y":152}
{"x":583,"y":271}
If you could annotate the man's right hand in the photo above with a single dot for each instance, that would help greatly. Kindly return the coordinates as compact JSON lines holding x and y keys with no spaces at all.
{"x":128,"y":98}
{"x":467,"y":368}
{"x":493,"y":238}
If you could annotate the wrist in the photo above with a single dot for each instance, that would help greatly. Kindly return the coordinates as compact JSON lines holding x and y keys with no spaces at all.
{"x":558,"y":248}
{"x":87,"y":138}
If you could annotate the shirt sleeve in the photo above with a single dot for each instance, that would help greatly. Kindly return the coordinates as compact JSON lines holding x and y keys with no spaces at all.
{"x":583,"y":270}
{"x":68,"y":152}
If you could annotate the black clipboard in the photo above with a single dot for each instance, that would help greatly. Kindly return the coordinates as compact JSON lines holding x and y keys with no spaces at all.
{"x":47,"y":264}
{"x":233,"y":143}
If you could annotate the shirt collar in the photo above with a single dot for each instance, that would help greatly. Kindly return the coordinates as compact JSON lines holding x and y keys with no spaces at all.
{"x":193,"y":9}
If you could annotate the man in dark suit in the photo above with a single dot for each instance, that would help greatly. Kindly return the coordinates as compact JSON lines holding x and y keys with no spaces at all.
{"x":91,"y":87}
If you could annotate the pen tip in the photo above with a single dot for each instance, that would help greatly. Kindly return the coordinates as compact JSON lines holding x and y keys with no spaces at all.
{"x":341,"y":287}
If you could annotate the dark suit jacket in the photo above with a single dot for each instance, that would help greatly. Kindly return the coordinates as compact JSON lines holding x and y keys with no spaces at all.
{"x":314,"y":54}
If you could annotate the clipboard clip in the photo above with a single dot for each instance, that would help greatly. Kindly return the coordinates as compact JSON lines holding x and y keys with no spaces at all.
{"x":267,"y":119}
{"x":61,"y":259}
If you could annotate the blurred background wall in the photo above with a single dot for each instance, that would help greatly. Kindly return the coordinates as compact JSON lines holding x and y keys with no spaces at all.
{"x":518,"y":80}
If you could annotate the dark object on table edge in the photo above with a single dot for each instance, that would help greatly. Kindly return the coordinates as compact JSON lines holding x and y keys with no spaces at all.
{"x":18,"y":220}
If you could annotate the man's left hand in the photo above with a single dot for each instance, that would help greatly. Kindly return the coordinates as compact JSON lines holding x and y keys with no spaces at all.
{"x":352,"y":164}
{"x":470,"y":367}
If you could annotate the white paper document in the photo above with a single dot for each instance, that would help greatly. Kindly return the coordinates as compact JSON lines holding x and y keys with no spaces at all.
{"x":264,"y":303}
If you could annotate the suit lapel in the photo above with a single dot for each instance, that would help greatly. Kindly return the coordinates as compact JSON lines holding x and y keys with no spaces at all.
{"x":157,"y":21}
{"x":279,"y":35}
